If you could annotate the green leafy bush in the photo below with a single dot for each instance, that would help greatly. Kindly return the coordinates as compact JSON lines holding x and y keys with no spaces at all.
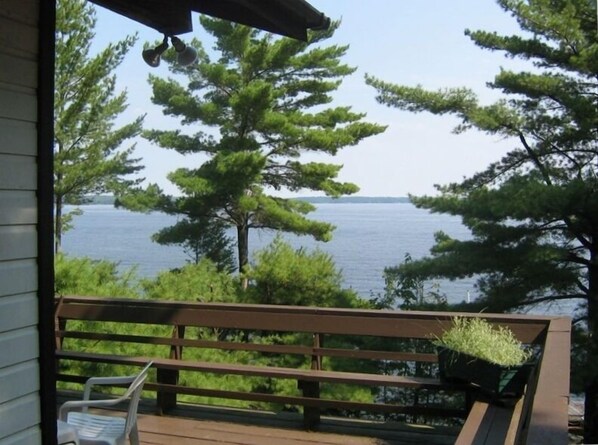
{"x":478,"y":338}
{"x":193,"y":282}
{"x":283,"y":275}
{"x":84,"y":276}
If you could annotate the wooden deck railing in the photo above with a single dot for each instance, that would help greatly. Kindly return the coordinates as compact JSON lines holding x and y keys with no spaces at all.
{"x":333,"y":334}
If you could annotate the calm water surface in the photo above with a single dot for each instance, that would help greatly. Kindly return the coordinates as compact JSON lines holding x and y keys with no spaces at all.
{"x":368,"y":238}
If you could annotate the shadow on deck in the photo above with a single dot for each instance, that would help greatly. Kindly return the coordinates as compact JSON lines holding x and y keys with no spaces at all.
{"x":199,"y":425}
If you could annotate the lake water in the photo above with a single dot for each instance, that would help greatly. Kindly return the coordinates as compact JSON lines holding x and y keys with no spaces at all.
{"x":368,"y":238}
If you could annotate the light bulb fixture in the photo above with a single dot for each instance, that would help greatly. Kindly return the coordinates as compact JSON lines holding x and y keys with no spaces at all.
{"x":186,"y":54}
{"x":152,"y":56}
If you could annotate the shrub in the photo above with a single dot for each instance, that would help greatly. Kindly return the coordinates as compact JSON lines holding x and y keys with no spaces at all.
{"x":193,"y":282}
{"x":283,"y":275}
{"x":84,"y":276}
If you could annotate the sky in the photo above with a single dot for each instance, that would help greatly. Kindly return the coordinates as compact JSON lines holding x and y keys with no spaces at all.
{"x":399,"y":41}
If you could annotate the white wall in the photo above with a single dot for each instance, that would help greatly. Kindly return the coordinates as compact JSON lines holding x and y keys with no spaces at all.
{"x":19,"y":350}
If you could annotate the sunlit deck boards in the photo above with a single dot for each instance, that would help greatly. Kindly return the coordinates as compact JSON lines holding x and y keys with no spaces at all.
{"x":240,"y":427}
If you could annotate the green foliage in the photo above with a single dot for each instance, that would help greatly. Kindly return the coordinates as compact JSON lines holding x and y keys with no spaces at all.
{"x":193,"y":282}
{"x":87,"y":155}
{"x":477,"y":337}
{"x":283,"y":275}
{"x":200,"y":238}
{"x":406,"y":292}
{"x":533,"y":214}
{"x":267,"y":99}
{"x":84,"y":276}
{"x":67,"y":219}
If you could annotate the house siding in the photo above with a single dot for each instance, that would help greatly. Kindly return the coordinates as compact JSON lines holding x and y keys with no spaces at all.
{"x":20,"y":406}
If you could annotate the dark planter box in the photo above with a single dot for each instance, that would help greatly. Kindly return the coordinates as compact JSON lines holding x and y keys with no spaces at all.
{"x":497,"y":381}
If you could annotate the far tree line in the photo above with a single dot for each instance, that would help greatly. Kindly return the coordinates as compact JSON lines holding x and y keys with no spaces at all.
{"x":533,"y":213}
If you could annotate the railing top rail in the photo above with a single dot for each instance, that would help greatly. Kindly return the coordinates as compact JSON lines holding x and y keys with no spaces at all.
{"x":378,"y":313}
{"x":387,"y":323}
{"x":548,"y":419}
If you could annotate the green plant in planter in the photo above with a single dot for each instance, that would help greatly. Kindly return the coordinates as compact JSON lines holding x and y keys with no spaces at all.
{"x":478,"y":338}
{"x":474,"y":351}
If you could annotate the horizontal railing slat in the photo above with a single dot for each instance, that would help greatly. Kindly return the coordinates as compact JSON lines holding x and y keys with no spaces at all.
{"x":256,"y":347}
{"x":264,"y":371}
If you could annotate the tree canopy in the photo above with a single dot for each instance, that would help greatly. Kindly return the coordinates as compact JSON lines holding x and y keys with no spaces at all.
{"x":534,"y":213}
{"x":88,"y":158}
{"x":257,"y":108}
{"x":283,"y":275}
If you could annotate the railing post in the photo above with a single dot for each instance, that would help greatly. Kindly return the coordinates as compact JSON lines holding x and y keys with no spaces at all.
{"x":166,"y":400}
{"x":311,"y":414}
{"x":176,"y":351}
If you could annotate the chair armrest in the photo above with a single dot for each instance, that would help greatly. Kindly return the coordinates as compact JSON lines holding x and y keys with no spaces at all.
{"x":98,"y":381}
{"x":82,"y":405}
{"x":111,"y":380}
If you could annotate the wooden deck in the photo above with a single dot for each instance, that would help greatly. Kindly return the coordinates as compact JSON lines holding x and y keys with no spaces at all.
{"x":326,"y":334}
{"x":203,"y":426}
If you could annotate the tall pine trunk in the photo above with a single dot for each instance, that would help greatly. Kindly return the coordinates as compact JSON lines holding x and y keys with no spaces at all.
{"x":243,"y":249}
{"x":57,"y":224}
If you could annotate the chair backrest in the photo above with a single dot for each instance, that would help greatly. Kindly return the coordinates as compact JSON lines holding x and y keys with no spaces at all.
{"x":134,"y":392}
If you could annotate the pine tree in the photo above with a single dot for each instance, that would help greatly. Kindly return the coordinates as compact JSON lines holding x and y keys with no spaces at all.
{"x":266,"y":99}
{"x":200,"y":238}
{"x":534,"y":213}
{"x":87,"y":154}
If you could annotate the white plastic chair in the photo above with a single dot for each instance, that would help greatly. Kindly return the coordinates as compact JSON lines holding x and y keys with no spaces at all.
{"x":93,"y":429}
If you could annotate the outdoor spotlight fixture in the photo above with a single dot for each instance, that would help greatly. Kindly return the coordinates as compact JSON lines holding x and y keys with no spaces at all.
{"x":186,"y":54}
{"x":152,"y":56}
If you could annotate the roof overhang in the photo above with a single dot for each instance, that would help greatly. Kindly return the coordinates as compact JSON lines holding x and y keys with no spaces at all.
{"x":291,"y":18}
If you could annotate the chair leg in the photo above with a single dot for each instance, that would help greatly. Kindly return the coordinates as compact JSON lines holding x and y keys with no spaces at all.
{"x":134,"y":435}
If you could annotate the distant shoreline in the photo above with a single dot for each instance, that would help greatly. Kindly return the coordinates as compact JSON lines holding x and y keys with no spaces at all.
{"x":109,"y":200}
{"x":354,"y":200}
